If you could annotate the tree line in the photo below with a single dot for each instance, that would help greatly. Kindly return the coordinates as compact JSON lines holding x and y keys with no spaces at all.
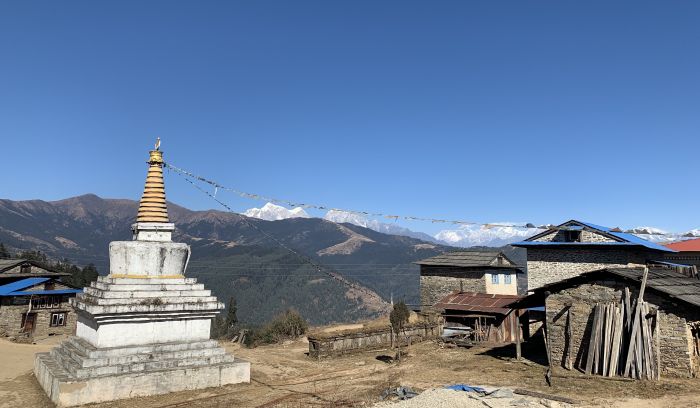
{"x":79,"y":277}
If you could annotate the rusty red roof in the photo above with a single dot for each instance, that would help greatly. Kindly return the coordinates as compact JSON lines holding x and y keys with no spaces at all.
{"x":689,"y":245}
{"x":478,"y":302}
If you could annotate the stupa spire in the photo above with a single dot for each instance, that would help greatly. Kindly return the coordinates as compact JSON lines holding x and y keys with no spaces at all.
{"x":153,"y":207}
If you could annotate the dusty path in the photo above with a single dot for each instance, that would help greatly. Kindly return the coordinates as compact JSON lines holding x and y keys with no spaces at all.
{"x":283,"y":376}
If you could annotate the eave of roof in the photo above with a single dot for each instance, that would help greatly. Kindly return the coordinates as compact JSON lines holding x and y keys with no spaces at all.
{"x":44,"y":292}
{"x":478,"y":302}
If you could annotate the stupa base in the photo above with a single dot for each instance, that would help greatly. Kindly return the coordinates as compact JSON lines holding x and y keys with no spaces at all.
{"x":77,"y":373}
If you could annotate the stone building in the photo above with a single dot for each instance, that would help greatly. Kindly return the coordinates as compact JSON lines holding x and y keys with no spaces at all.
{"x":467,"y":271}
{"x":145,"y":328}
{"x":687,"y":252}
{"x":35,"y":308}
{"x":575,"y":247}
{"x":674,"y":296}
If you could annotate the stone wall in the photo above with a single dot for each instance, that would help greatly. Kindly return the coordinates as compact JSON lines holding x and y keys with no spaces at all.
{"x":586,"y":236}
{"x":548,"y":265}
{"x":325,"y":345}
{"x":11,"y":320}
{"x":686,"y":258}
{"x":677,"y":356}
{"x":437,"y":282}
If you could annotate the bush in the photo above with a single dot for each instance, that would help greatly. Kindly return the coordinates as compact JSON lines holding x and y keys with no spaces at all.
{"x":288,"y":325}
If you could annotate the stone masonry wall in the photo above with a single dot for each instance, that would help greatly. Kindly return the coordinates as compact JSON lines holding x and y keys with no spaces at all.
{"x":548,"y":265}
{"x":677,"y":357}
{"x":437,"y":282}
{"x":586,"y":236}
{"x":11,"y":321}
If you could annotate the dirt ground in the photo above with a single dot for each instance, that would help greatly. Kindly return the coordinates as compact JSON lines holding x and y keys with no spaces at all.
{"x":283,"y":376}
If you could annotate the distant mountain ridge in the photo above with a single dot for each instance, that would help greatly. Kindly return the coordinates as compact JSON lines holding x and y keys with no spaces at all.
{"x":235,"y":259}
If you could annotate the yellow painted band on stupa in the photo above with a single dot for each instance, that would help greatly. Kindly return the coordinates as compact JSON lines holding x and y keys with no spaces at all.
{"x":153,"y":207}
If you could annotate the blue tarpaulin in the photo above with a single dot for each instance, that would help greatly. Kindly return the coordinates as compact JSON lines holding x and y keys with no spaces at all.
{"x":465,"y":387}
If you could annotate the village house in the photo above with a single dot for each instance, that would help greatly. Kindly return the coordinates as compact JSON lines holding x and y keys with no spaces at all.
{"x":575,"y":247}
{"x":15,"y":269}
{"x":688,"y":252}
{"x":673,"y":315}
{"x":35,"y":308}
{"x":489,"y":272}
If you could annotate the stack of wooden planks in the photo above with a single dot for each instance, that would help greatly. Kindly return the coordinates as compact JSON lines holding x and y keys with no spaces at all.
{"x":623,"y":340}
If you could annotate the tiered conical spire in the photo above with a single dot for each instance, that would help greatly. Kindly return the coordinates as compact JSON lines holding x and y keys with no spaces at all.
{"x":152,"y":207}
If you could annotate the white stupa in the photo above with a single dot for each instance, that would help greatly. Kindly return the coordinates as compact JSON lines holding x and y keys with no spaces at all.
{"x":143,"y":329}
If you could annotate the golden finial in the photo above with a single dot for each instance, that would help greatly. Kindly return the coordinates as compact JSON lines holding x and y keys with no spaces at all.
{"x":153,"y":207}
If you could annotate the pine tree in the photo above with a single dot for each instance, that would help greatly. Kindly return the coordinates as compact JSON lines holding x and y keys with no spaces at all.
{"x":4,"y":253}
{"x":231,"y":318}
{"x":399,"y":317}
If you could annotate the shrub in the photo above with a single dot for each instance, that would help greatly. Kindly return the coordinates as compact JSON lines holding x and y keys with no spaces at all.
{"x":288,"y":325}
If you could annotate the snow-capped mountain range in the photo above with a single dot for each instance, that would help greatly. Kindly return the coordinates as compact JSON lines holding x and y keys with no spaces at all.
{"x":463,"y":236}
{"x":493,"y":236}
{"x":356,"y":219}
{"x":272,"y":212}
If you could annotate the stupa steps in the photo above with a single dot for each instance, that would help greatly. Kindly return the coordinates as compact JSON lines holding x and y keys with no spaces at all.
{"x":87,"y":349}
{"x":154,"y":280}
{"x":151,"y":293}
{"x":87,"y":305}
{"x":78,"y":368}
{"x":122,"y":287}
{"x":165,"y":297}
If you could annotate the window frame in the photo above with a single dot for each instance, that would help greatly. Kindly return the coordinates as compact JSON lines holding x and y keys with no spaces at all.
{"x":507,"y":279}
{"x":495,"y":279}
{"x":58,"y":319}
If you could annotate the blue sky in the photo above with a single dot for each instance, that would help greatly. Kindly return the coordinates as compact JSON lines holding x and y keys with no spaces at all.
{"x":534,"y":111}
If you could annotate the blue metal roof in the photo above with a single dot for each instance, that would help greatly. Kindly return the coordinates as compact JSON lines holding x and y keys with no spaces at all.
{"x":5,"y":290}
{"x":15,"y":288}
{"x":628,"y":239}
{"x":46,"y":292}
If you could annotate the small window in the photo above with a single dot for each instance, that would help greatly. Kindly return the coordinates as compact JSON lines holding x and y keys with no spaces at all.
{"x":58,"y":319}
{"x":572,"y":236}
{"x":507,"y":279}
{"x":25,"y":269}
{"x":494,"y":278}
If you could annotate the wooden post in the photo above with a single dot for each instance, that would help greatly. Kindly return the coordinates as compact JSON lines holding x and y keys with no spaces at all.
{"x":517,"y":335}
{"x":657,"y":345}
{"x":569,"y":336}
{"x":635,"y":325}
{"x":592,"y":341}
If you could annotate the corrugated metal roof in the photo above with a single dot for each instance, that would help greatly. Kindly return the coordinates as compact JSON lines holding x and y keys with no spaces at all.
{"x":15,"y":288}
{"x":6,"y":289}
{"x":486,"y":259}
{"x":46,"y":292}
{"x":664,"y":281}
{"x":478,"y":302}
{"x":691,"y":245}
{"x":627,"y":238}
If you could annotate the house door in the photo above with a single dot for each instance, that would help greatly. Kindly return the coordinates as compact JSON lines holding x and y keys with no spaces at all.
{"x":28,"y":322}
